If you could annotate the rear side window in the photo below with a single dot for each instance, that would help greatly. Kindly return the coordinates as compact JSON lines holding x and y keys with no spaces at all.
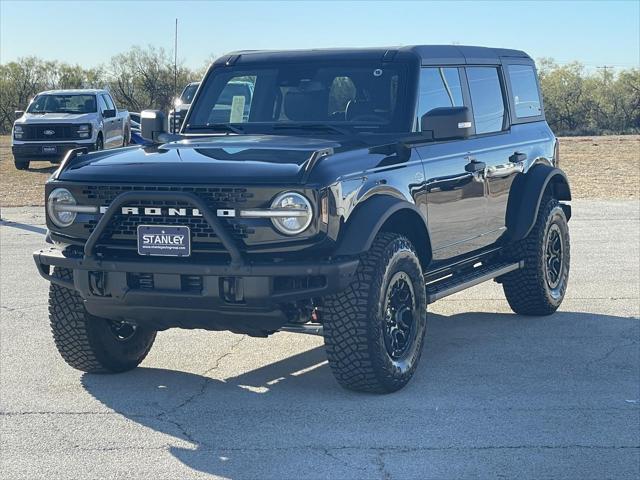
{"x":439,"y":87}
{"x":526,"y":97}
{"x":486,"y":98}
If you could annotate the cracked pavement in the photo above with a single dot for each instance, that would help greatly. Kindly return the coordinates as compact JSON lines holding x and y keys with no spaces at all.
{"x":496,"y":395}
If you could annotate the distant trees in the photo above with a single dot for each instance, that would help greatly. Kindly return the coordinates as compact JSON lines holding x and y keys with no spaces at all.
{"x":138,"y":79}
{"x":144,"y":78}
{"x":599,"y":103}
{"x":576,"y":102}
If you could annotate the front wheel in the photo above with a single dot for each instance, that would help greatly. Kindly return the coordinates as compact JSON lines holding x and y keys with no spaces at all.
{"x":374,"y":331}
{"x":89,"y":343}
{"x":21,"y":163}
{"x":539,"y":287}
{"x":99,"y":143}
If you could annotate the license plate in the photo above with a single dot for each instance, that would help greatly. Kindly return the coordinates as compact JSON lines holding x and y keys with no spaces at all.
{"x":47,"y":149}
{"x":164,"y":241}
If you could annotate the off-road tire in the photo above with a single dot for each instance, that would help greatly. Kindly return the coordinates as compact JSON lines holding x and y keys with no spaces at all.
{"x":354,"y":319}
{"x":88,"y":343}
{"x":527,"y":289}
{"x":99,"y":145}
{"x":21,"y":164}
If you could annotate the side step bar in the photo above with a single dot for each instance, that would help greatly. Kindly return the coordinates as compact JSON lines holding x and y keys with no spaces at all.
{"x":308,"y":328}
{"x":453,"y":284}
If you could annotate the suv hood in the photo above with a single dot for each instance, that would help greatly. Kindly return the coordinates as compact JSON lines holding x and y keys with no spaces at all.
{"x":33,"y":118}
{"x":247,"y":159}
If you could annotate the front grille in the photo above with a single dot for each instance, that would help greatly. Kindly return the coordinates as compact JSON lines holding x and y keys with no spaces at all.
{"x":123,"y":228}
{"x":175,"y":122}
{"x":215,"y":197}
{"x":61,"y":131}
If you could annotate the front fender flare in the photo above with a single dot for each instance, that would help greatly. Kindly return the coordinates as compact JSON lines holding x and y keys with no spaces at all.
{"x":526,"y":195}
{"x":366,"y":221}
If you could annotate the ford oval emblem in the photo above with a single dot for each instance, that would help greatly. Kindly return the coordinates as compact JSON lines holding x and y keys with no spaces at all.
{"x":49,"y":132}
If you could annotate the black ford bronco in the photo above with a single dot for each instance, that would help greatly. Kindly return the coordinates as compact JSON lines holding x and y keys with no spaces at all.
{"x":344,"y":193}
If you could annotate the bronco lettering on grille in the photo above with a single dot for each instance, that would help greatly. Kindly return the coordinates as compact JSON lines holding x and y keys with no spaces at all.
{"x":158,"y":211}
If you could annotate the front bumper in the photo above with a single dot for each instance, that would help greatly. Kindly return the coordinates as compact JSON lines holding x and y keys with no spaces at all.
{"x":251,"y":298}
{"x":38,"y":151}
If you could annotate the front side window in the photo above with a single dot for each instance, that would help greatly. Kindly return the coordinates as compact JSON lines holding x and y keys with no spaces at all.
{"x":363,"y":96}
{"x":51,"y":103}
{"x":439,"y":87}
{"x":109,"y":102}
{"x":102,"y":103}
{"x":486,"y":98}
{"x":526,"y":97}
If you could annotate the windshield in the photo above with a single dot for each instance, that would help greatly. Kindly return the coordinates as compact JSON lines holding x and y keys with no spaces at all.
{"x":51,"y":103}
{"x":357,"y":96}
{"x":188,"y":93}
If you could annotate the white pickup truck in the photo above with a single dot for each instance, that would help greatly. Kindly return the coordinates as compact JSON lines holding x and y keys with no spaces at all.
{"x":57,"y":121}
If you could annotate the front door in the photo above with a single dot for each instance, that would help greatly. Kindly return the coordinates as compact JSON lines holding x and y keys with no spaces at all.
{"x":456,"y":202}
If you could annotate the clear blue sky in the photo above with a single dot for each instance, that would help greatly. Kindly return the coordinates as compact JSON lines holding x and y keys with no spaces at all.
{"x":89,"y":32}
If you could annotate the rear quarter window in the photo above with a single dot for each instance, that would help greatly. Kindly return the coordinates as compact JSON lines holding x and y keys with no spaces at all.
{"x":524,"y":88}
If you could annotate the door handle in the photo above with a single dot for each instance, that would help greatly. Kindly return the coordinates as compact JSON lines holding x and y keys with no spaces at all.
{"x":474,"y":165}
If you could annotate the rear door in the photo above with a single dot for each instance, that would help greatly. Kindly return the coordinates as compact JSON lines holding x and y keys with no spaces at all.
{"x":456,"y":203}
{"x":494,"y":144}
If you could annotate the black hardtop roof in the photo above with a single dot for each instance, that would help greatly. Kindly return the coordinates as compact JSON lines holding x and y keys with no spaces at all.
{"x":428,"y":55}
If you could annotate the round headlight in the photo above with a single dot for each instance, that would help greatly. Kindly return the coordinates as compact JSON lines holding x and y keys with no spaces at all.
{"x":58,"y":200}
{"x":291,"y":213}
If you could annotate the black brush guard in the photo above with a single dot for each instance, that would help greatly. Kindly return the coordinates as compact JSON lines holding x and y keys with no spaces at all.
{"x":238,"y":295}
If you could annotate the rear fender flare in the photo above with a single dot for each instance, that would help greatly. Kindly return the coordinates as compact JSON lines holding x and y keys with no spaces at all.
{"x":526,"y":195}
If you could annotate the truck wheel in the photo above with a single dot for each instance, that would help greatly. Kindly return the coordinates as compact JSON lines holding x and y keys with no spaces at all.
{"x":99,"y":143}
{"x":21,"y":164}
{"x":374,"y":330}
{"x":125,"y":138}
{"x":539,"y":287}
{"x":89,"y":343}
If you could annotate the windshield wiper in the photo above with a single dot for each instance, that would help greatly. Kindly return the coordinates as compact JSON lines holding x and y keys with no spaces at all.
{"x":225,"y":127}
{"x":313,"y":126}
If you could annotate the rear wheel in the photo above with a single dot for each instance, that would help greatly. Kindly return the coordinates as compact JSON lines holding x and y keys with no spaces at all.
{"x":374,"y":331}
{"x":539,"y":287}
{"x":89,"y":343}
{"x":21,"y":163}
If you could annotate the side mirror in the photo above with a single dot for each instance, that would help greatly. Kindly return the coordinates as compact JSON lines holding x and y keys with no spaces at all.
{"x":18,"y":113}
{"x":109,"y":113}
{"x":152,"y":124}
{"x":447,"y":122}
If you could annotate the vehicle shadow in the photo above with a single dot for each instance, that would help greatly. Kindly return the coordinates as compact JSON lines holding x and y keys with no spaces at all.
{"x":41,"y":168}
{"x":287,"y":411}
{"x":23,"y":226}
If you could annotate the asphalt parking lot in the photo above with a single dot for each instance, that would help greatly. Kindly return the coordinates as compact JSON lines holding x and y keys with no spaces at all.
{"x":496,"y":395}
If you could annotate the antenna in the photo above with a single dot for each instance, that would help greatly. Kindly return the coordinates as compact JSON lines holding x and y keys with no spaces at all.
{"x":175,"y":61}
